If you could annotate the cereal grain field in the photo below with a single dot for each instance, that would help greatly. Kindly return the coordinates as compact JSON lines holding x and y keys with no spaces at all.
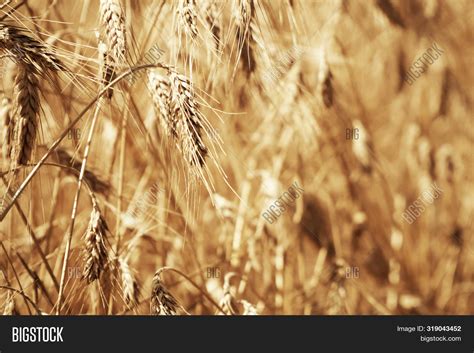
{"x":247,"y":157}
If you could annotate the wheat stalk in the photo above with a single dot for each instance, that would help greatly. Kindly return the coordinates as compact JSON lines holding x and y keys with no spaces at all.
{"x":106,"y":68}
{"x":95,"y":182}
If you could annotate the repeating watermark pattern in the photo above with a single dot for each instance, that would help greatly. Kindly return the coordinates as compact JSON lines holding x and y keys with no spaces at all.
{"x":427,"y":197}
{"x":279,"y":206}
{"x":138,"y":208}
{"x":213,"y":272}
{"x":74,"y":134}
{"x":422,"y":63}
{"x":152,"y":56}
{"x":352,"y":134}
{"x":74,"y":272}
{"x":352,"y":272}
{"x":282,"y":65}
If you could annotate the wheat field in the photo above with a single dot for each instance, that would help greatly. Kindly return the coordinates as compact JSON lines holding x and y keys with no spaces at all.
{"x":247,"y":157}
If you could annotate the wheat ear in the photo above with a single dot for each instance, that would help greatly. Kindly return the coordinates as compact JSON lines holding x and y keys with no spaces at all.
{"x":160,"y":90}
{"x":27,"y":50}
{"x":26,"y":122}
{"x":129,"y":284}
{"x":212,"y":19}
{"x":245,"y":17}
{"x":174,"y":98}
{"x":162,"y":301}
{"x":95,"y":253}
{"x":188,"y":17}
{"x":33,"y":58}
{"x":114,"y":22}
{"x":189,"y":119}
{"x":325,"y":88}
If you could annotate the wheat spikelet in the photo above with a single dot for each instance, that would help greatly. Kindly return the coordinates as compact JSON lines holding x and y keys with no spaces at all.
{"x":245,"y":15}
{"x":6,"y":126}
{"x":212,"y":19}
{"x":188,"y":17}
{"x":160,"y":90}
{"x":95,"y":256}
{"x":189,"y":119}
{"x":26,"y":122}
{"x":249,"y":308}
{"x":228,"y":303}
{"x":129,"y":284}
{"x":9,"y":308}
{"x":113,"y":19}
{"x":337,"y":291}
{"x":28,"y":51}
{"x":325,"y":81}
{"x":162,"y":301}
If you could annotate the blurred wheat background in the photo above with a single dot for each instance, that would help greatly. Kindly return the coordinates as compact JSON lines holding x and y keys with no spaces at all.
{"x":153,"y":201}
